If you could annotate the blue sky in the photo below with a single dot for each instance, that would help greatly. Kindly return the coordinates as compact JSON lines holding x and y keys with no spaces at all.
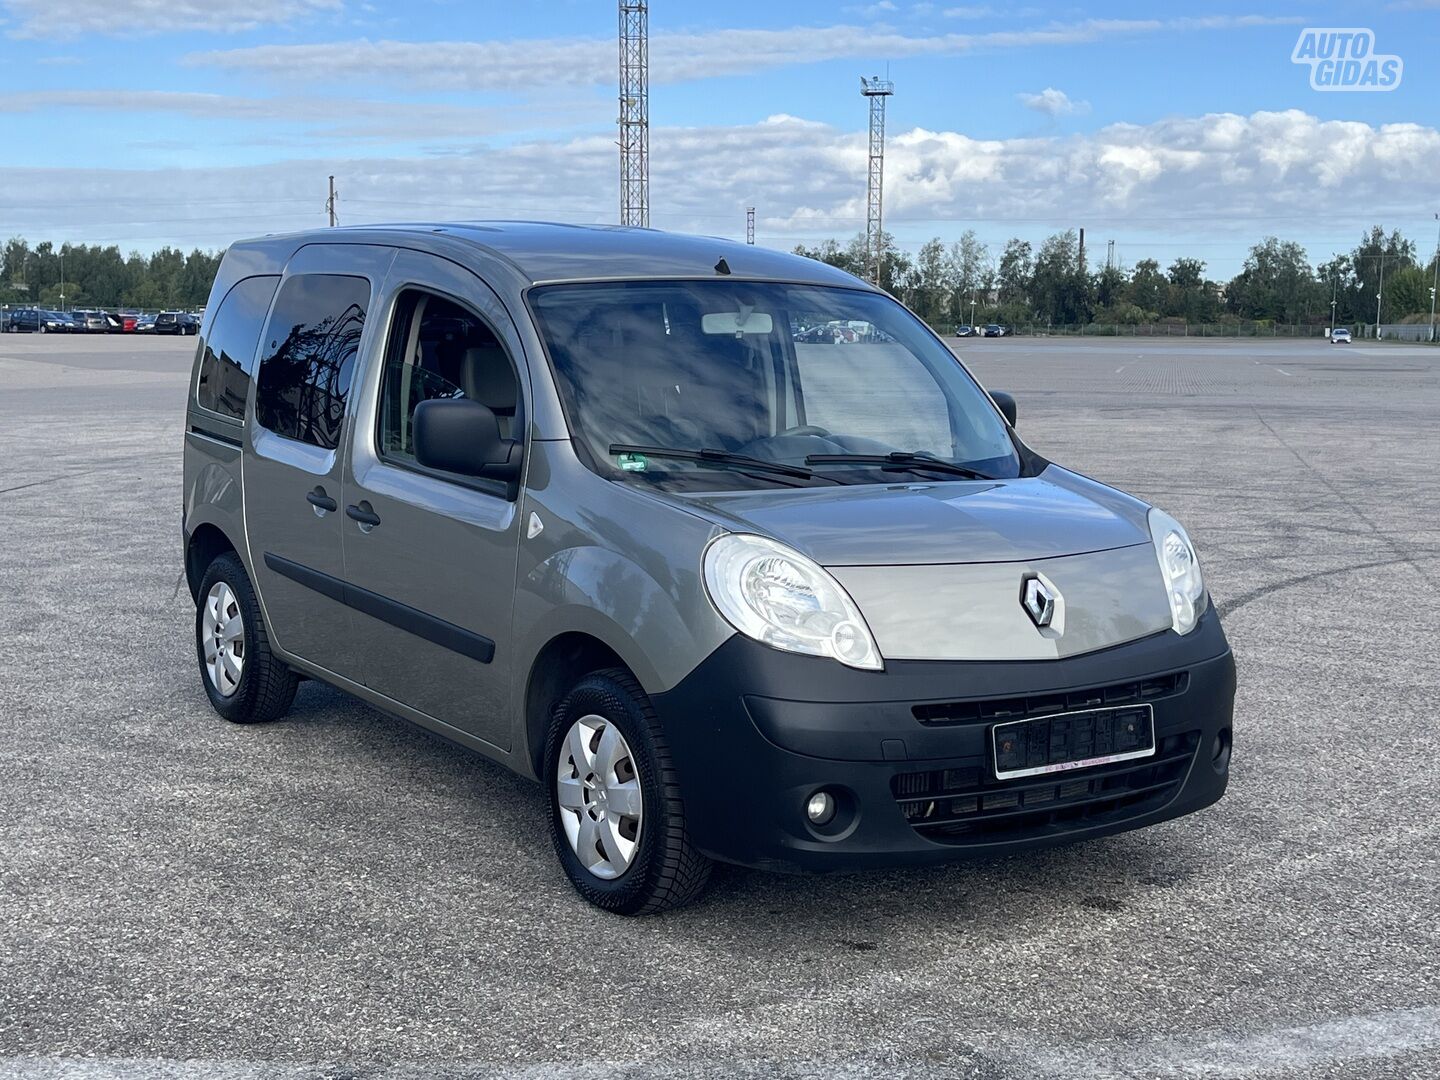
{"x":1170,"y":130}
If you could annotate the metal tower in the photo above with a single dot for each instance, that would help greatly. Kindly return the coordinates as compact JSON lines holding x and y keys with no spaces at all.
{"x":749,"y":225}
{"x":635,"y":113}
{"x":877,"y":90}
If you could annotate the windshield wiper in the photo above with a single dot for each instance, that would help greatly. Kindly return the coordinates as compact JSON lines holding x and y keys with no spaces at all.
{"x":901,"y":460}
{"x":715,"y":457}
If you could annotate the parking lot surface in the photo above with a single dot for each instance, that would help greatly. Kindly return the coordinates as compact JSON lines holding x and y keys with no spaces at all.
{"x":342,"y":895}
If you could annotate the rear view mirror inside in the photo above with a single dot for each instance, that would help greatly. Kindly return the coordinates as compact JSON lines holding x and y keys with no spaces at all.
{"x":736,"y":322}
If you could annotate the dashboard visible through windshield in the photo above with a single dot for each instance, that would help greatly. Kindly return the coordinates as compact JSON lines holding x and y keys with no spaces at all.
{"x":701,"y":385}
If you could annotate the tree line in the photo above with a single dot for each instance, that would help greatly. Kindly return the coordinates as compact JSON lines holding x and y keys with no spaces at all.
{"x":964,"y":282}
{"x":101,"y":277}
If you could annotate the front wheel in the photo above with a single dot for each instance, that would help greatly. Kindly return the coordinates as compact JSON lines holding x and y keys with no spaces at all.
{"x":616,"y":816}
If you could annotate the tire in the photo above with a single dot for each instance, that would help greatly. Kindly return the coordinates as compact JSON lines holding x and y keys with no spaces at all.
{"x":664,"y":870}
{"x":265,"y":687}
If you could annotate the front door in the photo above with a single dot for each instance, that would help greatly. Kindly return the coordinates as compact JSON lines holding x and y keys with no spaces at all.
{"x":430,"y":557}
{"x":293,"y":484}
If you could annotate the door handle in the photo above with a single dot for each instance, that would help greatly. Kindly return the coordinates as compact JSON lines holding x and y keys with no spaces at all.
{"x":364,"y":514}
{"x":320,"y":500}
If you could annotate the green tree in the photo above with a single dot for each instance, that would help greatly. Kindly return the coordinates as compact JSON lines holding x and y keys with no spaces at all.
{"x":1275,"y":283}
{"x":1190,"y":296}
{"x":1108,"y":287}
{"x":932,"y":285}
{"x":1148,"y":287}
{"x":1059,"y":289}
{"x":1376,"y":252}
{"x":972,"y":274}
{"x":1013,"y":280}
{"x":1407,"y":292}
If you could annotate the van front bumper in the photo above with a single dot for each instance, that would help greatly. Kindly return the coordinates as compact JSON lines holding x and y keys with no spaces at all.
{"x":907,"y":753}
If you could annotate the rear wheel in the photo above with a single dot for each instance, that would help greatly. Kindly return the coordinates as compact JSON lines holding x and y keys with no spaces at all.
{"x":245,"y":681}
{"x":617,"y":819}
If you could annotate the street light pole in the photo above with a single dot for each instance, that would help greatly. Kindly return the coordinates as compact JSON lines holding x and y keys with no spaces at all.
{"x":1379,"y":289}
{"x":1435,"y":286}
{"x":62,"y":279}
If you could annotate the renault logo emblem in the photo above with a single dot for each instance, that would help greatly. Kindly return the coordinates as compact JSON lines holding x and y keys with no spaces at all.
{"x":1038,"y":597}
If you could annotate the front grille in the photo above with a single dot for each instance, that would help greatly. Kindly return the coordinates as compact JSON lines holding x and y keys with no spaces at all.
{"x":999,"y":710}
{"x":965,"y":806}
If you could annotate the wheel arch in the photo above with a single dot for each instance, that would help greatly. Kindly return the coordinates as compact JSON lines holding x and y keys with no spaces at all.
{"x":562,"y":662}
{"x":206,"y":544}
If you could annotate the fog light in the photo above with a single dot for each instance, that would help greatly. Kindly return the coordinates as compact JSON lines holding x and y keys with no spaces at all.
{"x":820,"y":808}
{"x":1220,"y":751}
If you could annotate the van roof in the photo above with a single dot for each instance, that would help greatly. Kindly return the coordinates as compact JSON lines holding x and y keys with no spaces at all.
{"x":544,"y":251}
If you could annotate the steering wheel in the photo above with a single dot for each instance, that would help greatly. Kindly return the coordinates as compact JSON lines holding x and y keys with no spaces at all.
{"x":804,"y":429}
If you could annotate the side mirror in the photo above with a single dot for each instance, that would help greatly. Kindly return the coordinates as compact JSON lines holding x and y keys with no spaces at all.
{"x":462,"y":436}
{"x":1005,"y":403}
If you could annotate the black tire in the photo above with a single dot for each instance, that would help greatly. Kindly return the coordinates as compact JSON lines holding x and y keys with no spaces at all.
{"x":267,"y":686}
{"x":667,"y":872}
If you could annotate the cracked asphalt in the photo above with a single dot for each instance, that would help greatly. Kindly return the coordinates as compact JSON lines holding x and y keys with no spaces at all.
{"x":342,"y":895}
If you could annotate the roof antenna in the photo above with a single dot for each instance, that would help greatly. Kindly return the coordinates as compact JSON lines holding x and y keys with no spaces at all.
{"x":722,"y":267}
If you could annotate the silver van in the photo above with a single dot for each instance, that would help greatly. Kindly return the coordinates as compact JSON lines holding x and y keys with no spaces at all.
{"x":721,"y":545}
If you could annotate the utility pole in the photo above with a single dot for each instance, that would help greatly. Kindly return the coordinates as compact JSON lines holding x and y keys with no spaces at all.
{"x":635,"y":113}
{"x":1436,"y":285}
{"x":877,"y":90}
{"x":1379,"y":288}
{"x":1081,"y":259}
{"x":749,"y":225}
{"x":330,"y":204}
{"x":1109,"y":254}
{"x":1334,"y":293}
{"x":62,"y":279}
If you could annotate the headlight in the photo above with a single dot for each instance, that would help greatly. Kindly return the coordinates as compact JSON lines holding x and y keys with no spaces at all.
{"x":777,"y":596}
{"x":1180,"y":570}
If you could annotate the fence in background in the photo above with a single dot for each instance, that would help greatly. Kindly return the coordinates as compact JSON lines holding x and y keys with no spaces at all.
{"x":1396,"y":332}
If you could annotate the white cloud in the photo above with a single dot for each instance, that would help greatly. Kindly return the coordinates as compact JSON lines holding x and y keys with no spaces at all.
{"x":71,"y":18}
{"x":1220,"y":175}
{"x":1053,"y":102}
{"x":674,"y":56}
{"x":873,"y":11}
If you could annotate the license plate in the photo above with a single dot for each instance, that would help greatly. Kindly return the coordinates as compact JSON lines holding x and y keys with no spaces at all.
{"x":1051,"y":744}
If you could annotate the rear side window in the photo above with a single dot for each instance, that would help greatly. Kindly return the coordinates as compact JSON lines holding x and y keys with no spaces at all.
{"x":309,"y":357}
{"x":229,"y":356}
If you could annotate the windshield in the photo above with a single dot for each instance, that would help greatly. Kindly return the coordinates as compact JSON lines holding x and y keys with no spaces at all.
{"x":778,"y":373}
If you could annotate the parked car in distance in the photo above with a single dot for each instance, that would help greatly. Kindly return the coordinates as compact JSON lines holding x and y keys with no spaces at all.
{"x":727,"y":594}
{"x":38,"y":321}
{"x":993,"y":330}
{"x":175,"y":322}
{"x":145,"y":324}
{"x":964,"y":331}
{"x":1339,"y":336}
{"x":119,"y":322}
{"x":90,"y":322}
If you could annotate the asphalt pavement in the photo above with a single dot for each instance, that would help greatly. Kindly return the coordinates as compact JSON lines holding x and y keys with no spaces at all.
{"x":342,"y":895}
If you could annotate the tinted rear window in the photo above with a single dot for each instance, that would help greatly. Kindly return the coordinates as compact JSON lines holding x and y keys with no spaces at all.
{"x":229,"y":356}
{"x":309,"y":349}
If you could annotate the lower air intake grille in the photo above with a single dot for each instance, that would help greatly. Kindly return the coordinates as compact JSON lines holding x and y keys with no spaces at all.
{"x":958,"y":805}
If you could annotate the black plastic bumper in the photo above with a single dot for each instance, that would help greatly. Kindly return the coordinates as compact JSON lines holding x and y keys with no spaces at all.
{"x":755,"y":732}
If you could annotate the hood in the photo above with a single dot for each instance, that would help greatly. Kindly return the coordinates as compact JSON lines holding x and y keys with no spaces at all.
{"x":1054,"y":514}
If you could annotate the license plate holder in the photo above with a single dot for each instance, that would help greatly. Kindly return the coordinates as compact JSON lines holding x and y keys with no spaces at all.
{"x":1061,"y":742}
